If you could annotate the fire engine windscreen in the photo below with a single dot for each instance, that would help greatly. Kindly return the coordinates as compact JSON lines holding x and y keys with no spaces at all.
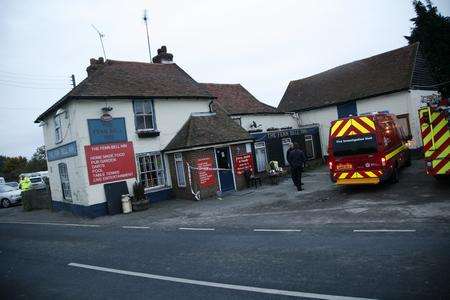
{"x":354,"y":145}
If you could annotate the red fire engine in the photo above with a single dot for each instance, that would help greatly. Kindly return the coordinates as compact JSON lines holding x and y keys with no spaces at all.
{"x":367,"y":149}
{"x":435,"y":129}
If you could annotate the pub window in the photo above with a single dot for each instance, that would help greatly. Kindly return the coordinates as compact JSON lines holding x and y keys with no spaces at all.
{"x":65,"y":184}
{"x":309,"y":146}
{"x":179,"y":168}
{"x":238,"y":121}
{"x":403,"y":121}
{"x":151,"y":170}
{"x":143,"y":114}
{"x":58,"y":129}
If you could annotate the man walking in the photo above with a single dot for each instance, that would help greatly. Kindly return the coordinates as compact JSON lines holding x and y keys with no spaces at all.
{"x":296,"y":159}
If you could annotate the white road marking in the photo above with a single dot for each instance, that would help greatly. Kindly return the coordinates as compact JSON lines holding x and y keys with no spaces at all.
{"x":277,"y":230}
{"x":136,"y":227}
{"x":192,"y":228}
{"x":219,"y":285}
{"x":384,"y":230}
{"x":52,"y":224}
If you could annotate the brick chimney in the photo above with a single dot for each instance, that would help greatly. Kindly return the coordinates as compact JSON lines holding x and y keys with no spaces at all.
{"x":163,"y":57}
{"x":95,"y":64}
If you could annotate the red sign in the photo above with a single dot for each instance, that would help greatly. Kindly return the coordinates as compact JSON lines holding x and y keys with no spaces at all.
{"x":243,"y":162}
{"x":205,"y":173}
{"x":110,"y":162}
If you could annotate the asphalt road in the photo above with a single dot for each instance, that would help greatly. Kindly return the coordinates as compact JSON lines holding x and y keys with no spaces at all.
{"x":325,"y":261}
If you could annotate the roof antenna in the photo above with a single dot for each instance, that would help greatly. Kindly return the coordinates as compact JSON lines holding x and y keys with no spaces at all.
{"x":145,"y":18}
{"x":101,"y":36}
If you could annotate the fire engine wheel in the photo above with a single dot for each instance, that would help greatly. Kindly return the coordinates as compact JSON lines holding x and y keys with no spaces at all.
{"x":395,"y":175}
{"x":5,"y":203}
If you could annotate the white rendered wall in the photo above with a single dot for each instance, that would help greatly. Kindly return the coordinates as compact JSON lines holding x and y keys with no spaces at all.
{"x":170,"y":115}
{"x":322,"y":117}
{"x":77,"y":176}
{"x":405,"y":102}
{"x":267,"y":121}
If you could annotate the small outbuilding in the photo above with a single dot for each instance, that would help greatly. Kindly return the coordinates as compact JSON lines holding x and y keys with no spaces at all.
{"x":209,"y":156}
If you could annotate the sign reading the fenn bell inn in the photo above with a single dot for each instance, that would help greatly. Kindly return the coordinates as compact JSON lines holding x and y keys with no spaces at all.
{"x":107,"y":131}
{"x":110,"y":162}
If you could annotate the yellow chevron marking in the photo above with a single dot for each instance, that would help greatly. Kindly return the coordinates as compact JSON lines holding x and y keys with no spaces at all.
{"x":427,"y":138}
{"x":344,"y":129}
{"x":359,"y":126}
{"x":395,"y":152}
{"x":370,"y":174}
{"x":343,"y":175}
{"x":445,"y":153}
{"x":443,"y":138}
{"x":428,"y":153}
{"x":434,"y":116}
{"x":368,"y":121}
{"x":439,"y":126}
{"x":444,"y":169}
{"x":357,"y":175}
{"x":352,"y":133}
{"x":336,"y":126}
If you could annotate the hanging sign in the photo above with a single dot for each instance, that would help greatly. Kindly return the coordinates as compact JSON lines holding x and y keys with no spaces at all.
{"x":107,"y":130}
{"x":242,"y":163}
{"x":110,"y":162}
{"x":205,"y":173}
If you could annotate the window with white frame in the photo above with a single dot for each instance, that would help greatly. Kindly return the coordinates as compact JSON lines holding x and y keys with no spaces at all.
{"x":65,"y":184}
{"x":143,"y":114}
{"x":151,"y":170}
{"x":58,"y":128}
{"x":179,"y":168}
{"x":309,"y":146}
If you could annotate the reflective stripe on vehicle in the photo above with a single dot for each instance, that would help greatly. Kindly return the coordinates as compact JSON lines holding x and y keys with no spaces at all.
{"x":395,"y":152}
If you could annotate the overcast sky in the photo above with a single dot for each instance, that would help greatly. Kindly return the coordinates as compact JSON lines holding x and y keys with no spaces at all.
{"x":260,"y":44}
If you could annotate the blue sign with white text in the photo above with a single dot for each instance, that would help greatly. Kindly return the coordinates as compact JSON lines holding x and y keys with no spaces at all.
{"x":64,"y":151}
{"x":103,"y":132}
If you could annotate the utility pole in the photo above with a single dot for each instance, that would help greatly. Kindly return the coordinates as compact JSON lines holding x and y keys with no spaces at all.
{"x":145,"y":18}
{"x":101,"y":36}
{"x":73,"y":80}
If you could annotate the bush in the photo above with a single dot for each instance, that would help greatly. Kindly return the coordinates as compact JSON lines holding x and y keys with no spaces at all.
{"x":138,"y":191}
{"x":36,"y":199}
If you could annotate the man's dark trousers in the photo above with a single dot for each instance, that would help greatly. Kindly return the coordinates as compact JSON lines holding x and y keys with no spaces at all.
{"x":296,"y":173}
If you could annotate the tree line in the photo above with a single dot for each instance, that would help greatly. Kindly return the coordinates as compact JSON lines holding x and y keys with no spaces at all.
{"x":432,"y":30}
{"x":12,"y":166}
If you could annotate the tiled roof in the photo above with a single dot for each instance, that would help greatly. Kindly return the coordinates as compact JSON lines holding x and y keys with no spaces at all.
{"x":125,"y":79}
{"x":236,"y":100}
{"x":377,"y":75}
{"x":207,"y":129}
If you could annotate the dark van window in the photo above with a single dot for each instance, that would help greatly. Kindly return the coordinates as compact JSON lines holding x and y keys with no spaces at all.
{"x":356,"y":144}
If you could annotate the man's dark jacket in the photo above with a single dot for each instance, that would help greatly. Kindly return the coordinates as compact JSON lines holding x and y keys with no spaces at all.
{"x":296,"y":158}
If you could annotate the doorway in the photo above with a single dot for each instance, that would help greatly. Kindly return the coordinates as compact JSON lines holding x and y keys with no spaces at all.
{"x":286,"y":142}
{"x":224,"y":162}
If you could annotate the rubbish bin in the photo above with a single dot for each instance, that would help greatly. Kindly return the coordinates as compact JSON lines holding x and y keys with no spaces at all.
{"x":126,"y":204}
